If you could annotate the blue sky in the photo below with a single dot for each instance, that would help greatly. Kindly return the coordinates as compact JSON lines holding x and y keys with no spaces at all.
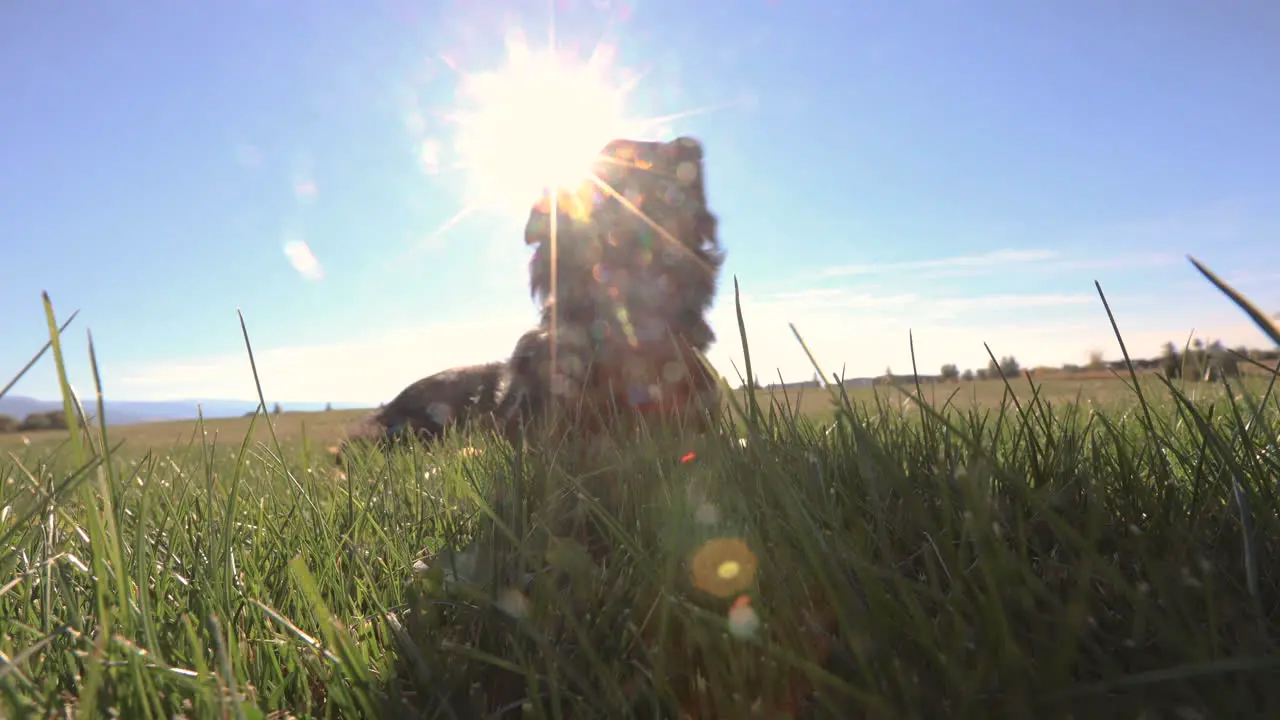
{"x":963,"y":170}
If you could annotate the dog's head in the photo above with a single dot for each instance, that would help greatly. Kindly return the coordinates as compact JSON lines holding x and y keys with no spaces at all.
{"x":635,"y":250}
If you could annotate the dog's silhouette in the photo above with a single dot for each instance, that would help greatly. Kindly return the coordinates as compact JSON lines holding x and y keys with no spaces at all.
{"x":625,"y":269}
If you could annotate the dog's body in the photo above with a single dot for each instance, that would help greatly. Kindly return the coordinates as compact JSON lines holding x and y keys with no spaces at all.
{"x":636,"y":264}
{"x":635,"y":261}
{"x":591,"y":385}
{"x":430,"y":406}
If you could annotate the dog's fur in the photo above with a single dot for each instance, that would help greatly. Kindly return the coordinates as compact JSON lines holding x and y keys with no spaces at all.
{"x":430,"y":406}
{"x":625,"y":325}
{"x":636,"y":264}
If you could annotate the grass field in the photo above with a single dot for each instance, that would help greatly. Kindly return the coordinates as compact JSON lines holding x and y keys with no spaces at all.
{"x":321,"y":429}
{"x":1019,"y":555}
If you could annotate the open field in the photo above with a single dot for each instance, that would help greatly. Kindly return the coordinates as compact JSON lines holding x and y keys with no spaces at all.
{"x":1112,"y":558}
{"x":321,"y":429}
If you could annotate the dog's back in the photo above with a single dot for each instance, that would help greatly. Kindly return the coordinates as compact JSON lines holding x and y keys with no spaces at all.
{"x":430,"y":406}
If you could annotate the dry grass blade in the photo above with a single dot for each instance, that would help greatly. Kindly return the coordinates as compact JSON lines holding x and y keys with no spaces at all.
{"x":1258,"y":317}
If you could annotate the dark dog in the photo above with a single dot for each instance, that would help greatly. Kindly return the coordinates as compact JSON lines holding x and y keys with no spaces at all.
{"x":430,"y":406}
{"x":636,"y":266}
{"x":626,"y":268}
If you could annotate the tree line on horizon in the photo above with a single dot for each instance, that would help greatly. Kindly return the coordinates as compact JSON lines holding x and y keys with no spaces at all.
{"x":45,"y":420}
{"x":57,"y":420}
{"x":1196,"y":361}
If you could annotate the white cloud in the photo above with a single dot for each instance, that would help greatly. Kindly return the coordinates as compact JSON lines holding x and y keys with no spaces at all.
{"x":996,"y":302}
{"x":1123,"y":260}
{"x":861,"y":337}
{"x":303,"y":260}
{"x":865,"y":343}
{"x":808,"y":301}
{"x":984,"y":260}
{"x":1025,"y":260}
{"x":842,"y":298}
{"x":371,"y":371}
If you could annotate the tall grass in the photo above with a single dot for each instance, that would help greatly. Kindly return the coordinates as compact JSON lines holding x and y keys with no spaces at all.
{"x":910,"y":560}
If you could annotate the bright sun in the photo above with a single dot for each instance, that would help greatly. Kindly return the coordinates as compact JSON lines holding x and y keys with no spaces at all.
{"x":537,"y":122}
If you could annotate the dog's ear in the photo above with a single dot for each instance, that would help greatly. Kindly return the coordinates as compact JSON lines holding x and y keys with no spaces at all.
{"x":538,"y":228}
{"x":688,"y":165}
{"x":688,"y":148}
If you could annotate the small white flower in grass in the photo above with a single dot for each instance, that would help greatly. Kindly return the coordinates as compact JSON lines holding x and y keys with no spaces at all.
{"x":513,"y":602}
{"x":77,"y":562}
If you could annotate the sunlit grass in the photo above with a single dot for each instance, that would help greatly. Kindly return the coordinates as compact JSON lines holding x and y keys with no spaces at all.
{"x":1039,"y":559}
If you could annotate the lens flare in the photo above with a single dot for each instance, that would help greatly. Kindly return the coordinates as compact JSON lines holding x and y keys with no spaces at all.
{"x":724,"y":567}
{"x":537,"y":122}
{"x":533,"y":121}
{"x":743,"y":620}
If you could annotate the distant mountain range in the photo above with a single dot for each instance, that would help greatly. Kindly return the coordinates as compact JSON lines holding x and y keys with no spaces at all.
{"x":134,"y":412}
